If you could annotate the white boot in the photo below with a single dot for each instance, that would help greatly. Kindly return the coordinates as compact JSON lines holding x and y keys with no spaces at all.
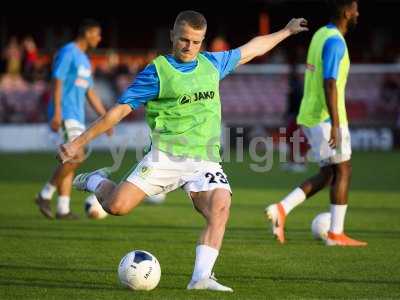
{"x":208,"y":284}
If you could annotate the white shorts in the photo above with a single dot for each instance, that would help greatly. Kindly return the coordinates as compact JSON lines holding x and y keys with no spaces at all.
{"x":318,"y":138}
{"x":161,"y":172}
{"x":70,"y":129}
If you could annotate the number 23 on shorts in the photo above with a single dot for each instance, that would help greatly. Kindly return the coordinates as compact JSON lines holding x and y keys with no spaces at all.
{"x":216,"y":177}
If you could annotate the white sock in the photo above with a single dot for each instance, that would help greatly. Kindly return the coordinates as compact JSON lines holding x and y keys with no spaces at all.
{"x":338,"y":213}
{"x":48,"y":191}
{"x":63,"y":204}
{"x":94,"y":181}
{"x":296,"y":197}
{"x":205,"y":260}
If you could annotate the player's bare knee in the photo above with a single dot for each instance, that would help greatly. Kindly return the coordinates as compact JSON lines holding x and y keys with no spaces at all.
{"x":344,"y":169}
{"x":220,"y":213}
{"x":218,"y":220}
{"x":117,"y":208}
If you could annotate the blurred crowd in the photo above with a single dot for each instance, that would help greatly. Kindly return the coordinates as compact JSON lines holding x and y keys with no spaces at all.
{"x":25,"y":79}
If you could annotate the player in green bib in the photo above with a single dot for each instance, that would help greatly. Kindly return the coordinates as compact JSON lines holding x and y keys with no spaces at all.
{"x":323,"y":119}
{"x":180,"y":92}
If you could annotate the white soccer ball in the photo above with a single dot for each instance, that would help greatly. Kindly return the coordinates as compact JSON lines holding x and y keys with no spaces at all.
{"x":156,"y":199}
{"x":139,"y":270}
{"x":320,"y":226}
{"x":93,"y":208}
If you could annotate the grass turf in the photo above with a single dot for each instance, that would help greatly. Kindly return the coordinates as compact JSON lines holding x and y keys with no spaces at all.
{"x":42,"y":259}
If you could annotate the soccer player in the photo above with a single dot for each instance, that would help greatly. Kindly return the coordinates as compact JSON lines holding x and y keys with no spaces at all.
{"x":180,"y":92}
{"x":323,"y":117}
{"x":72,"y":84}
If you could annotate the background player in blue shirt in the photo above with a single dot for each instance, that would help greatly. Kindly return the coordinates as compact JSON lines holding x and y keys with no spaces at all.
{"x":72,"y":84}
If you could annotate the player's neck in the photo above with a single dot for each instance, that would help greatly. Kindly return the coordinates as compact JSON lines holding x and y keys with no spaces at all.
{"x":341,"y":26}
{"x":81,"y":44}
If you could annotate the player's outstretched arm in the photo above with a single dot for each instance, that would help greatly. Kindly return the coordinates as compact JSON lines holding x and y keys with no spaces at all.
{"x":69,"y":150}
{"x":264,"y":43}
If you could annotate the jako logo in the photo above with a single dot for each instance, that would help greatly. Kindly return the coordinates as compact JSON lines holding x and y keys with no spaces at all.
{"x":203,"y":95}
{"x":197,"y":97}
{"x":185,"y":99}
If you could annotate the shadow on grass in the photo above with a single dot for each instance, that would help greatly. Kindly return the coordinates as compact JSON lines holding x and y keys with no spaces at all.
{"x":56,"y":269}
{"x":50,"y":284}
{"x":68,"y":269}
{"x":317,"y":280}
{"x":67,"y":284}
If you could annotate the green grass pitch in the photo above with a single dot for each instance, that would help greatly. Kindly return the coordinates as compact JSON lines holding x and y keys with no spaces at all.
{"x":42,"y":259}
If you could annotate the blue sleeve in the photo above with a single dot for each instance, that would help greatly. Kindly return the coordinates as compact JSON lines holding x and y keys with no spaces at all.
{"x":62,"y":64}
{"x":224,"y":61}
{"x":144,"y":88}
{"x":332,"y":54}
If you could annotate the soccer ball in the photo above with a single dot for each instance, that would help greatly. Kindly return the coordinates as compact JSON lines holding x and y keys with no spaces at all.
{"x":93,"y":209}
{"x":156,"y":199}
{"x":320,"y":226}
{"x":139,"y":270}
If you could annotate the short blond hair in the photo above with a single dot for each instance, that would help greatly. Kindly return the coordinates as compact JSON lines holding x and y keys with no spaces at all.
{"x":193,"y":18}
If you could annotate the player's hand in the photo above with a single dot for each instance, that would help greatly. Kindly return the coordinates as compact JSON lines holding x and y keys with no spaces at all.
{"x":334,"y":138}
{"x":110,"y":132}
{"x":66,"y":152}
{"x":297,"y":25}
{"x":55,"y":123}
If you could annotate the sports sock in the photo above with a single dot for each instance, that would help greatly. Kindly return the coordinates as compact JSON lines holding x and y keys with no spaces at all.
{"x":296,"y":197}
{"x":94,"y":181}
{"x":47,"y":191}
{"x":63,"y":205}
{"x":205,"y":260}
{"x":338,"y":213}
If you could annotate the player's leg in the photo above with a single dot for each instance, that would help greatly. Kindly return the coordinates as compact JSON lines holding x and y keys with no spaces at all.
{"x":121,"y":199}
{"x":145,"y":179}
{"x":339,"y":198}
{"x":312,"y":185}
{"x":277,"y":212}
{"x":61,"y":179}
{"x":214,"y":206}
{"x":209,"y":190}
{"x":115,"y":199}
{"x":318,"y":138}
{"x":64,"y":176}
{"x":43,"y":198}
{"x":339,"y":192}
